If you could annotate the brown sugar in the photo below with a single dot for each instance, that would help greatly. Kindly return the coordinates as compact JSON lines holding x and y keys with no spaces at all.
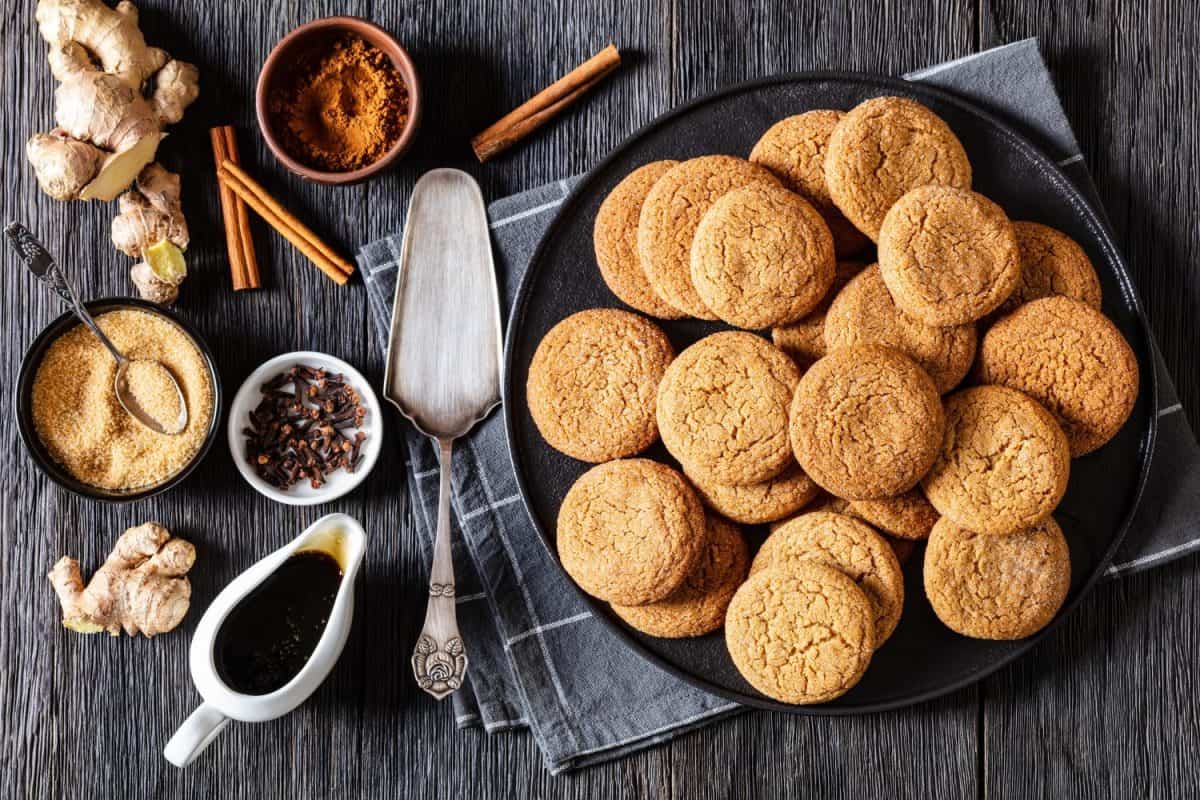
{"x":153,"y":389}
{"x":78,"y":418}
{"x":342,"y":107}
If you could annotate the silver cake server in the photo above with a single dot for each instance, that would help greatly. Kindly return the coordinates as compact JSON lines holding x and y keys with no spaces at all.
{"x":443,"y":371}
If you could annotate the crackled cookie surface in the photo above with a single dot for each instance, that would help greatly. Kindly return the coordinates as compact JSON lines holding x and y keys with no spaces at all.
{"x":698,"y":606}
{"x":866,"y":422}
{"x":759,"y":503}
{"x":592,"y":384}
{"x":630,"y":531}
{"x":804,"y":340}
{"x":907,"y":516}
{"x":615,"y":239}
{"x":997,"y":587}
{"x":883,"y":148}
{"x":1052,"y":263}
{"x":1004,"y":463}
{"x":723,"y":408}
{"x":669,"y":217}
{"x":762,"y":256}
{"x":846,"y":544}
{"x":801,"y":635}
{"x":865,"y":313}
{"x":794,"y":150}
{"x":1070,"y":358}
{"x":948,"y":256}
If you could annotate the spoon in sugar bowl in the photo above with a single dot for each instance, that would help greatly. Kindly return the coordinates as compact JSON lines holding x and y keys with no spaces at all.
{"x":151,"y":377}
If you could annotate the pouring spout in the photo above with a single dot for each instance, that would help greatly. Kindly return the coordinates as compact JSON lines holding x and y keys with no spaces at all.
{"x":339,"y":535}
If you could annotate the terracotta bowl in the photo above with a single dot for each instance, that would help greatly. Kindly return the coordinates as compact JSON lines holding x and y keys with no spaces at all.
{"x":302,"y":40}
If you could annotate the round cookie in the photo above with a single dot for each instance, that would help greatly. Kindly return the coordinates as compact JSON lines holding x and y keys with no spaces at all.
{"x":723,"y":408}
{"x":762,"y":256}
{"x":1071,"y":359}
{"x":804,"y":340}
{"x":866,"y":422}
{"x":615,"y":240}
{"x":759,"y":503}
{"x":908,"y":516}
{"x":997,"y":587}
{"x":948,"y":256}
{"x":669,"y":217}
{"x":794,"y":150}
{"x":1004,"y":463}
{"x":885,"y":147}
{"x":698,"y":606}
{"x":630,"y":531}
{"x":864,"y":313}
{"x":846,"y":544}
{"x":592,"y":384}
{"x":1052,"y":263}
{"x":801,"y":635}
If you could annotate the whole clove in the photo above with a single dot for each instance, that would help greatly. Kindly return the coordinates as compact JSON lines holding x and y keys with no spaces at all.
{"x":305,"y":426}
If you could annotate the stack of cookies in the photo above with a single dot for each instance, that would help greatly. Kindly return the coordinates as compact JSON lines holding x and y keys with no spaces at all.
{"x":847,"y":431}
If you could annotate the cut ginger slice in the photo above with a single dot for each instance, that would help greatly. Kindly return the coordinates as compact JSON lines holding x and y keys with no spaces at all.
{"x":119,"y":169}
{"x":166,"y":262}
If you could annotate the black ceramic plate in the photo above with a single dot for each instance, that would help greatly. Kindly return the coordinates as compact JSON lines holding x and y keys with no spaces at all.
{"x":923,"y":658}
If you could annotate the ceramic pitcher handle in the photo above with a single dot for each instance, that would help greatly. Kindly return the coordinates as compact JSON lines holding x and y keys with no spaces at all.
{"x":196,"y":733}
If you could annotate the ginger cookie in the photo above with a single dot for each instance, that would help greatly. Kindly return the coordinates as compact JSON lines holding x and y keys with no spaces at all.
{"x":630,"y":531}
{"x":997,"y":587}
{"x":804,"y":340}
{"x":948,"y":256}
{"x":1052,"y":264}
{"x":866,"y":422}
{"x":801,"y":635}
{"x":759,"y":503}
{"x":1071,"y":359}
{"x":882,"y":149}
{"x":698,"y":606}
{"x":864,"y":313}
{"x":1004,"y":462}
{"x":669,"y":217}
{"x":723,"y":408}
{"x":762,"y":256}
{"x":592,"y":384}
{"x":907,"y":516}
{"x":615,"y":239}
{"x":794,"y":150}
{"x":849,"y":545}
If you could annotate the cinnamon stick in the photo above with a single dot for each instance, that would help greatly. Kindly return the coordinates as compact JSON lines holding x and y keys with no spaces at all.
{"x":233,"y":243}
{"x":543,"y":106}
{"x":282,"y":221}
{"x":249,"y":260}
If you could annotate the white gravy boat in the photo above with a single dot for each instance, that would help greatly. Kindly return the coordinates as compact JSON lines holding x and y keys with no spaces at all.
{"x":336,"y":534}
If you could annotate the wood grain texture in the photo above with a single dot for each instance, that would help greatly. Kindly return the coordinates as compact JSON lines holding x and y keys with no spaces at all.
{"x":1106,"y":706}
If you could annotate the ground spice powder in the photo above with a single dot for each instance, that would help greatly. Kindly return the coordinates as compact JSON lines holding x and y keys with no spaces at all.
{"x":78,"y":418}
{"x":342,"y":107}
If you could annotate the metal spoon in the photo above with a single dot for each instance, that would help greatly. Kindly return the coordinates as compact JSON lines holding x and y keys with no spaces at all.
{"x":41,"y":264}
{"x":443,"y":371}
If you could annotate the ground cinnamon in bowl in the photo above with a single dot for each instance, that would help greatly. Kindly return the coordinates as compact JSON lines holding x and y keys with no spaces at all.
{"x":342,"y":106}
{"x":82,"y":425}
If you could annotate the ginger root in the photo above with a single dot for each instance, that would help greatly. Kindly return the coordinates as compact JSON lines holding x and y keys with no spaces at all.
{"x":103,"y":63}
{"x":141,"y":588}
{"x":151,"y":226}
{"x":116,"y":95}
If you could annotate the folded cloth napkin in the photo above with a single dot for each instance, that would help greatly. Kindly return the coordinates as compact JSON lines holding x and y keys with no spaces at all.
{"x":538,"y":657}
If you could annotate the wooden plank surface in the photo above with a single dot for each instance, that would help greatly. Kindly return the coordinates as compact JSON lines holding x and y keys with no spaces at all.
{"x":1105,"y":707}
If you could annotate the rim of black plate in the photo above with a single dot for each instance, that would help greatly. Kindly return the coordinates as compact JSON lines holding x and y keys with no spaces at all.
{"x":1085,"y":211}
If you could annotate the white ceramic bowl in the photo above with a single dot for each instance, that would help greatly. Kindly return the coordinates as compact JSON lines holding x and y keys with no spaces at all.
{"x":336,"y":483}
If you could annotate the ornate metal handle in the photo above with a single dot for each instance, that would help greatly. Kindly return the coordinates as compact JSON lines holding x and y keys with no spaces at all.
{"x":439,"y":660}
{"x":37,"y":260}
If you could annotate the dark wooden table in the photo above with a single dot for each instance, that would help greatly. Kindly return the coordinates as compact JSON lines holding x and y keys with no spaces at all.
{"x":1106,"y":707}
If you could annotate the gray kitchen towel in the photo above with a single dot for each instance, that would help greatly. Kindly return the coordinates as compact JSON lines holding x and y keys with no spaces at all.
{"x":539,"y":659}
